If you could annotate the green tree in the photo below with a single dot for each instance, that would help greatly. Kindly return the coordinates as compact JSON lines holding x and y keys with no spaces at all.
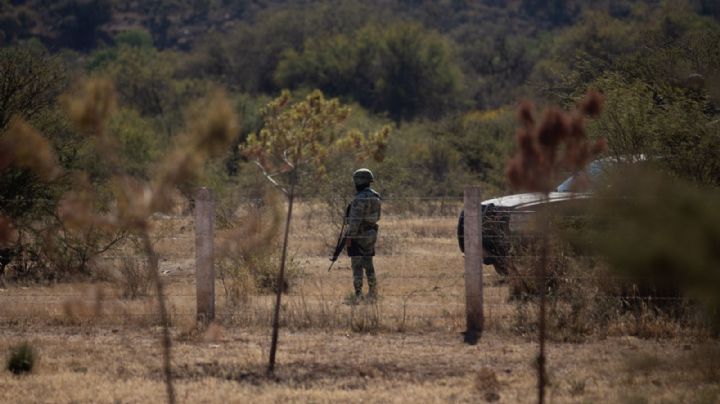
{"x":16,"y":22}
{"x":497,"y":61}
{"x":147,"y":80}
{"x":403,"y":70}
{"x":674,"y":129}
{"x":137,"y":140}
{"x":30,"y":81}
{"x":143,"y":78}
{"x":418,"y":73}
{"x":630,"y":118}
{"x":580,"y":55}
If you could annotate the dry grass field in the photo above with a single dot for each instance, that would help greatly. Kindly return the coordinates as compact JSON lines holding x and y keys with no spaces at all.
{"x":94,"y":346}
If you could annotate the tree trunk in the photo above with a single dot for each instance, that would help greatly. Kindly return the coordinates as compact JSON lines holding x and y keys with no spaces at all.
{"x":281,"y":281}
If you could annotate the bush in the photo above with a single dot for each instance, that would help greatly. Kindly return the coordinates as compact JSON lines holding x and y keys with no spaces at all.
{"x":22,"y":359}
{"x":134,"y":278}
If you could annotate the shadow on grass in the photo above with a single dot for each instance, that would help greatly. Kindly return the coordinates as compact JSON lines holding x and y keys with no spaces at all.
{"x":316,"y":374}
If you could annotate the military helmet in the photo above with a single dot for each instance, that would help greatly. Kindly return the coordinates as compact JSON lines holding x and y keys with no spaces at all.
{"x":363,"y":176}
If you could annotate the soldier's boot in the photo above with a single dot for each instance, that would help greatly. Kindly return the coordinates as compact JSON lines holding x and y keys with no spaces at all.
{"x":358,"y":292}
{"x":372,"y":294}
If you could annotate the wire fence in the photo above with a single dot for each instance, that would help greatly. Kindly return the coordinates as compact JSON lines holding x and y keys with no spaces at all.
{"x":419,"y":267}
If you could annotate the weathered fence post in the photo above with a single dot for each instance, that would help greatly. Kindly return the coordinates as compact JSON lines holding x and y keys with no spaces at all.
{"x":204,"y":270}
{"x":473,"y":265}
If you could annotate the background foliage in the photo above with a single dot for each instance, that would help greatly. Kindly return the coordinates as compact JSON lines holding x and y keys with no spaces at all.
{"x":447,"y":74}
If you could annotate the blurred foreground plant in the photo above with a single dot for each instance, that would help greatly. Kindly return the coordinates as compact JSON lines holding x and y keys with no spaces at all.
{"x":135,"y":200}
{"x":90,"y":107}
{"x":246,"y":255}
{"x":660,"y":234}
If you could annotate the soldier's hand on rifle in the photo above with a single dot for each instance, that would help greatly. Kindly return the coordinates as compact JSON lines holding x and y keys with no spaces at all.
{"x":348,"y":242}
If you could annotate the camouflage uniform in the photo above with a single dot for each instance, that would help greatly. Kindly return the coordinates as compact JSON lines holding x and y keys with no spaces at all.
{"x":363,"y":215}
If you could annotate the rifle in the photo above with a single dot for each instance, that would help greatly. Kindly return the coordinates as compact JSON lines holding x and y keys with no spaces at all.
{"x":341,"y":240}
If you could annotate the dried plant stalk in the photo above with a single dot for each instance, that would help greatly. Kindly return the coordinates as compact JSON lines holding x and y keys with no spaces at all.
{"x":558,"y":142}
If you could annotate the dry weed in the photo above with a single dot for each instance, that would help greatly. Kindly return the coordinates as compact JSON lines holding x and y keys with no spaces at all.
{"x":487,"y":384}
{"x":134,"y":280}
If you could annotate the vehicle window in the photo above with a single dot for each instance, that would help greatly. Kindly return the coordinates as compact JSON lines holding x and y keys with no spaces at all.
{"x":584,"y":180}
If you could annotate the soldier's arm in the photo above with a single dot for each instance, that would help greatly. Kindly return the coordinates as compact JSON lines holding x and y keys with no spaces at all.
{"x":357,"y":212}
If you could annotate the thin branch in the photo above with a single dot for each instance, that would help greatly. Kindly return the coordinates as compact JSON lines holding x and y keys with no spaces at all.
{"x":287,"y":160}
{"x":118,"y":237}
{"x":270,"y":178}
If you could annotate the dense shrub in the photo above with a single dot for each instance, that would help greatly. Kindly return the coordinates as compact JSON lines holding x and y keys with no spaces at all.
{"x":21,"y":359}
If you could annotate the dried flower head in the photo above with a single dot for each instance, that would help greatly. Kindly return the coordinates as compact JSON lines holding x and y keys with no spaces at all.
{"x":92,"y":104}
{"x":78,"y":208}
{"x":526,"y":114}
{"x":558,"y":142}
{"x":215,"y":127}
{"x":23,"y":147}
{"x":591,"y":105}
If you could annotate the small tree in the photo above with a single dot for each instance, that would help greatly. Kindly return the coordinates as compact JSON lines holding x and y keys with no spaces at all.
{"x":557,"y":143}
{"x":303,"y":135}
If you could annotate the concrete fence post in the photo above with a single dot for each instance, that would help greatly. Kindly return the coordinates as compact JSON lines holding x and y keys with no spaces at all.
{"x":473,"y":264}
{"x":204,"y":255}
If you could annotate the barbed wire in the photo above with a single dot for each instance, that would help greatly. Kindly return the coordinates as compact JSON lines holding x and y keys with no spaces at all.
{"x":326,"y":297}
{"x":385,"y":198}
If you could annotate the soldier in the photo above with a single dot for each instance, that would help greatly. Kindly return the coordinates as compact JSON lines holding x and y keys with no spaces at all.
{"x":363,"y":215}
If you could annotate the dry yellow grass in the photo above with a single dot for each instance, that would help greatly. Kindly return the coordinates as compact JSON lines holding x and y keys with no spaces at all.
{"x":81,"y":364}
{"x":406,"y":347}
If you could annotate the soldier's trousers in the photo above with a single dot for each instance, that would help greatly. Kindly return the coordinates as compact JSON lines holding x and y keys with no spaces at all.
{"x":358,"y":264}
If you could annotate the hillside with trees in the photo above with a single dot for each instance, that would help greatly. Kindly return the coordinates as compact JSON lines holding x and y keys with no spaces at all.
{"x":446,"y":72}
